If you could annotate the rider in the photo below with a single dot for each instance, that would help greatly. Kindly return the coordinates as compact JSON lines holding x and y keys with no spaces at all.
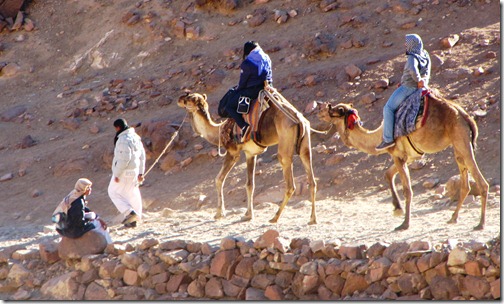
{"x":416,"y":74}
{"x":255,"y":69}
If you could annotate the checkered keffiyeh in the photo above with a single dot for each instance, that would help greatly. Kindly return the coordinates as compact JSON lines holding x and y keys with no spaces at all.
{"x":414,"y":47}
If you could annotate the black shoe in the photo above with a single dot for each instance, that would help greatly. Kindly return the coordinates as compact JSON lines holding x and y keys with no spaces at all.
{"x":132,"y":217}
{"x":385,"y":145}
{"x":130,"y":225}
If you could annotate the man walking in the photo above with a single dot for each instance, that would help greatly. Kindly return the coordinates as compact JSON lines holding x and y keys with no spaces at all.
{"x":128,"y":168}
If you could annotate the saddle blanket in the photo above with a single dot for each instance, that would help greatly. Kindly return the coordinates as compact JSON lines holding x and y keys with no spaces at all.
{"x":408,"y":112}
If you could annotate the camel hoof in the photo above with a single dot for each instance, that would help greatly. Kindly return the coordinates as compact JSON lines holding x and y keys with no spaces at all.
{"x":479,"y":227}
{"x":273,"y":220}
{"x":452,"y":221}
{"x":399,"y":212}
{"x":402,"y":227}
{"x":218,"y":216}
{"x":312,"y":222}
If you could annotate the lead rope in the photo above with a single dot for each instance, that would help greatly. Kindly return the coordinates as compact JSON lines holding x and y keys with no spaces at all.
{"x":166,"y":147}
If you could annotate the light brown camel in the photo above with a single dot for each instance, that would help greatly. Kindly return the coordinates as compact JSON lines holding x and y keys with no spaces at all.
{"x":276,"y":129}
{"x":447,"y":124}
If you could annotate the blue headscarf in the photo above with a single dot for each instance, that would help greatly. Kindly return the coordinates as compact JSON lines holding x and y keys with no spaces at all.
{"x":259,"y":58}
{"x":414,"y":47}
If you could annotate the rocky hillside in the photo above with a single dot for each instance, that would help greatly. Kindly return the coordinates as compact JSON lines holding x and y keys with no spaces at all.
{"x":68,"y":69}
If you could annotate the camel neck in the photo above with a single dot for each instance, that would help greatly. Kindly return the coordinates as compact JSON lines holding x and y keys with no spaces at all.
{"x":363,"y":140}
{"x":203,"y":124}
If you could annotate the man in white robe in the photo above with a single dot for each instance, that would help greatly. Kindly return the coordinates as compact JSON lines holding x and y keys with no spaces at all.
{"x":128,"y":167}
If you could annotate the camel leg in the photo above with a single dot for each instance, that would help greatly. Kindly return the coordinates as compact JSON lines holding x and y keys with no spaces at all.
{"x":464,"y":189}
{"x":286,"y":162}
{"x":306,"y":158}
{"x":229,"y":162}
{"x":251,"y":163}
{"x":403,"y":171}
{"x":465,"y":162}
{"x":390,"y":175}
{"x":482,"y":189}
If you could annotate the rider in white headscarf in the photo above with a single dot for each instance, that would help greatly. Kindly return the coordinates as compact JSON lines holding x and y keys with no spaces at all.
{"x":416,"y":74}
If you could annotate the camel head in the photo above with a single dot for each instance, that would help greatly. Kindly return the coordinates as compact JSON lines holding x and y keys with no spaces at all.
{"x":193,"y":102}
{"x":342,"y":115}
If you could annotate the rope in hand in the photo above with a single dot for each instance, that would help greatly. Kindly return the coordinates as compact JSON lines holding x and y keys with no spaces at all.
{"x":166,"y":147}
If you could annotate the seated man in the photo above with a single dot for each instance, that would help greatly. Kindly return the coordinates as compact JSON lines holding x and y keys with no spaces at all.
{"x":72,"y":216}
{"x":255,"y":70}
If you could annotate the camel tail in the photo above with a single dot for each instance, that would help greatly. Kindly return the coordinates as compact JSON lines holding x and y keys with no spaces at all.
{"x":471,"y":122}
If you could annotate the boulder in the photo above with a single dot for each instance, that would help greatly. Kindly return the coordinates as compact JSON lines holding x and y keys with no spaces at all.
{"x":91,"y":242}
{"x":63,"y":287}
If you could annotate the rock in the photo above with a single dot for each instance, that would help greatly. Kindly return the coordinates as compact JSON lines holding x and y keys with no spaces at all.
{"x":175,"y":281}
{"x":368,"y":98}
{"x":376,"y":250}
{"x":378,"y":270}
{"x":395,"y":251}
{"x":227,"y":243}
{"x":450,"y":41}
{"x":6,"y":177}
{"x":90,"y":243}
{"x":245,"y":267}
{"x":267,"y":239}
{"x":131,"y":277}
{"x":430,"y":183}
{"x":174,"y":257}
{"x":21,"y":295}
{"x":335,"y":283}
{"x":63,"y":287}
{"x":443,"y":288}
{"x":256,"y":20}
{"x":148,"y":243}
{"x":49,"y":252}
{"x":381,"y":84}
{"x":411,"y":283}
{"x":18,"y":274}
{"x":27,"y":142}
{"x":222,"y":261}
{"x":354,"y":282}
{"x":95,"y":292}
{"x":453,"y":187}
{"x":196,"y":289}
{"x":10,"y":70}
{"x":474,"y":286}
{"x":458,"y":256}
{"x":495,"y":289}
{"x":350,"y":252}
{"x":352,"y":71}
{"x":254,"y":294}
{"x":11,"y":114}
{"x":26,"y":254}
{"x":213,"y":288}
{"x":274,"y":292}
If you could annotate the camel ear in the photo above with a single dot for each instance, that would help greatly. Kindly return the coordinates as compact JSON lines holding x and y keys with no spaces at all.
{"x":204,"y":97}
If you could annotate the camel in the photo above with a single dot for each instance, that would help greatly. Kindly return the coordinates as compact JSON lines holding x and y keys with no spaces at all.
{"x":447,"y":124}
{"x":276,"y":129}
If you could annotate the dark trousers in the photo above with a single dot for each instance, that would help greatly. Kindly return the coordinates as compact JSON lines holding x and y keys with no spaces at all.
{"x":232,"y":103}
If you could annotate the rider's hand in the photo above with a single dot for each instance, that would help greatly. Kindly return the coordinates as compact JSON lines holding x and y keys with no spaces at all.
{"x":421,"y":84}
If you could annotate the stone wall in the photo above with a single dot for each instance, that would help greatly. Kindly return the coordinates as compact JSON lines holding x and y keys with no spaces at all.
{"x":270,"y":267}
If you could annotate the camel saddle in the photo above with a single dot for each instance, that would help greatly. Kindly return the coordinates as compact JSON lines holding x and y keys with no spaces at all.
{"x":230,"y":131}
{"x":412,"y":113}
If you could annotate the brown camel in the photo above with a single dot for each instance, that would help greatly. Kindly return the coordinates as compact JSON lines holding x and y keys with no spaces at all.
{"x":276,"y":129}
{"x":447,"y":124}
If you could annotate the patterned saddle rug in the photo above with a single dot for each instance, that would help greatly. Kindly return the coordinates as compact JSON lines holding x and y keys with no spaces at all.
{"x":410,"y":112}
